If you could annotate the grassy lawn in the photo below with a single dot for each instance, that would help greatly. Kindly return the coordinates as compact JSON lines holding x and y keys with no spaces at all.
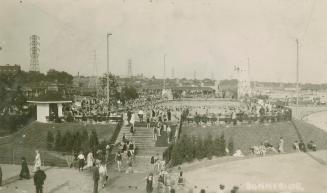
{"x":35,"y":133}
{"x":33,"y":136}
{"x":246,"y":136}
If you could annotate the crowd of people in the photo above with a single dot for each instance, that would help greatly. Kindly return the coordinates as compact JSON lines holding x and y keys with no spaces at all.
{"x":210,"y":112}
{"x":95,"y":110}
{"x":158,"y":117}
{"x":300,"y":146}
{"x":267,"y":147}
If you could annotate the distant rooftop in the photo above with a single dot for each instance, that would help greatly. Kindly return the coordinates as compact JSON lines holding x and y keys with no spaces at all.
{"x":50,"y":97}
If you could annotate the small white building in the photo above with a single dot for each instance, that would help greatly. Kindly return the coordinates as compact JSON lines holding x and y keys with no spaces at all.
{"x":49,"y":104}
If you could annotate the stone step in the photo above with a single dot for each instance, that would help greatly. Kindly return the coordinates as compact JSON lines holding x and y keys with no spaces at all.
{"x":140,"y":135}
{"x":144,"y":146}
{"x":149,"y":153}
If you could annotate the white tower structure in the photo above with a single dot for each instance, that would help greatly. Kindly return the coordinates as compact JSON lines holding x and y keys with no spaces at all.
{"x":34,"y":53}
{"x":244,"y":83}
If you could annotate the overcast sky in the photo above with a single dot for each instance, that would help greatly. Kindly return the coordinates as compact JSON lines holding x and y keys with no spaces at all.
{"x":206,"y":36}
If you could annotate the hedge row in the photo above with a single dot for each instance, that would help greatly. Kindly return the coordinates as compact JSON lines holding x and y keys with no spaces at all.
{"x":189,"y":148}
{"x":73,"y":142}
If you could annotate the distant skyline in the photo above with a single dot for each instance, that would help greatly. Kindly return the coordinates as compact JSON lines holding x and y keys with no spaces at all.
{"x":207,"y":36}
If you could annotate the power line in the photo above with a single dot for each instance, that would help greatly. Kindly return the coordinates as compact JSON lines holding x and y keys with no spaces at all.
{"x":309,"y":18}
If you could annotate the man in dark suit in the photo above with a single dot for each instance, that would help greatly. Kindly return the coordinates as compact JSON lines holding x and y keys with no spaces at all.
{"x":39,"y":178}
{"x":96,"y":177}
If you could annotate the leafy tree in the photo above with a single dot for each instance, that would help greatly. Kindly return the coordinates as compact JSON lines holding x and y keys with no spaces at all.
{"x":63,"y":143}
{"x":194,"y":146}
{"x":77,"y":142}
{"x":197,"y":119}
{"x":85,"y":140}
{"x":128,"y":93}
{"x":199,"y":148}
{"x":50,"y":140}
{"x":167,"y":155}
{"x":222,"y":145}
{"x":113,"y":92}
{"x":60,"y":77}
{"x":94,"y":141}
{"x":230,"y":145}
{"x":209,"y":147}
{"x":185,"y":145}
{"x":58,"y":141}
{"x":69,"y":141}
{"x":176,"y":156}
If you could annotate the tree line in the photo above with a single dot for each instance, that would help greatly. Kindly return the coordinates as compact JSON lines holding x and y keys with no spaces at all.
{"x":73,"y":142}
{"x":189,"y":148}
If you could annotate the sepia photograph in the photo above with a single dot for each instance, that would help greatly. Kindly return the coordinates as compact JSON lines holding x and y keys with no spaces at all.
{"x":163,"y":96}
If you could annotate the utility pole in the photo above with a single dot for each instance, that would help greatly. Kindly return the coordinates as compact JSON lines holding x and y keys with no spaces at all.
{"x":96,"y":73}
{"x":164,"y":71}
{"x":249,"y":78}
{"x":297,"y":72}
{"x":108,"y":97}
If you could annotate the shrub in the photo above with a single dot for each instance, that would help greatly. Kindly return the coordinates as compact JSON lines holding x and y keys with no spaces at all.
{"x":94,"y":141}
{"x":230,"y":146}
{"x":189,"y":148}
{"x":58,"y":141}
{"x":50,"y":140}
{"x":209,"y":146}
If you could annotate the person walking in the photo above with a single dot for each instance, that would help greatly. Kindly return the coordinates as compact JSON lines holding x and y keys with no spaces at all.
{"x":81,"y":161}
{"x":152,"y":162}
{"x":155,"y":133}
{"x":221,"y":188}
{"x":96,"y":177}
{"x":24,"y":172}
{"x":129,"y":167}
{"x":107,"y":153}
{"x":132,"y":129}
{"x":148,"y":123}
{"x":39,"y":178}
{"x":103,"y":173}
{"x":37,"y":161}
{"x":161,"y":182}
{"x":149,"y":183}
{"x":168,"y":134}
{"x":118,"y":159}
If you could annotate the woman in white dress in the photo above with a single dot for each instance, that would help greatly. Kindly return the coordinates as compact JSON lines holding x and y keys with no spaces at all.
{"x":89,"y":160}
{"x":37,"y":161}
{"x":132,"y":121}
{"x":103,"y":173}
{"x":281,"y":145}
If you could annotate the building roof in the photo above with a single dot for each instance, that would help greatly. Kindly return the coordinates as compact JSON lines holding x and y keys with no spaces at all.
{"x":50,"y":97}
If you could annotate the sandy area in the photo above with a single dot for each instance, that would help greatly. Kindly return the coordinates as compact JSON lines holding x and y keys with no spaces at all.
{"x":289,"y":169}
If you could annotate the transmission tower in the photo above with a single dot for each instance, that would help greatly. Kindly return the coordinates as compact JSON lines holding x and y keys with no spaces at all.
{"x":129,"y":68}
{"x":34,"y":53}
{"x":172,"y":73}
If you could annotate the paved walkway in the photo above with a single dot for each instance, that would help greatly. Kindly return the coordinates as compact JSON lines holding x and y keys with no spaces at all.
{"x":11,"y":173}
{"x":59,"y":180}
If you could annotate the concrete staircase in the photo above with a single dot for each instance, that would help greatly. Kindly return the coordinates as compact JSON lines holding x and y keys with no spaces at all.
{"x":145,"y":144}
